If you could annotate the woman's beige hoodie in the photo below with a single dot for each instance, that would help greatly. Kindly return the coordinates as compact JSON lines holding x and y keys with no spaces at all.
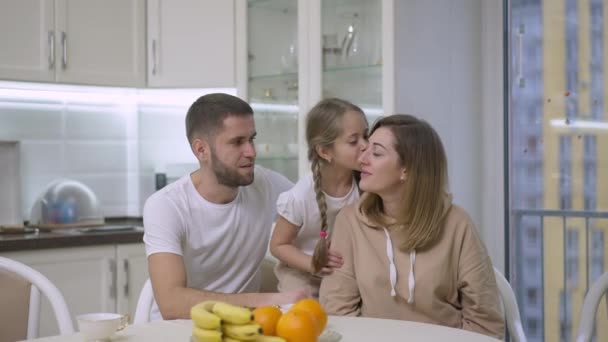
{"x":451,"y":283}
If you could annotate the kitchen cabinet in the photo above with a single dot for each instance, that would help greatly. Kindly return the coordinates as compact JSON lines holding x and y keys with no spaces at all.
{"x":131,"y":274}
{"x":191,"y":43}
{"x":26,"y":37}
{"x":92,"y":279}
{"x":73,"y":41}
{"x":299,"y":52}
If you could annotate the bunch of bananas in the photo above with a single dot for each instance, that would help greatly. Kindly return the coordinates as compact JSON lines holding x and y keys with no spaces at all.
{"x":223,"y":322}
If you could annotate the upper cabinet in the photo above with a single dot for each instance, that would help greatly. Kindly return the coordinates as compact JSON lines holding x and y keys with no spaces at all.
{"x":191,"y":43}
{"x":351,"y":52}
{"x":27,"y":29}
{"x":301,"y":51}
{"x":73,"y":41}
{"x":100,"y":42}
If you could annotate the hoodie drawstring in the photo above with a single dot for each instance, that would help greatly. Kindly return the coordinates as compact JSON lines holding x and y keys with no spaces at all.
{"x":392,"y":269}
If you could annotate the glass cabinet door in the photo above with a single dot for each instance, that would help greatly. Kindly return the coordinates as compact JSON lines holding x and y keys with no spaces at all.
{"x":273,"y":82}
{"x":351,"y":38}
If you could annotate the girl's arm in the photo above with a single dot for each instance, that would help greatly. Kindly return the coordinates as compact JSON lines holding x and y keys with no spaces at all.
{"x":282,"y":247}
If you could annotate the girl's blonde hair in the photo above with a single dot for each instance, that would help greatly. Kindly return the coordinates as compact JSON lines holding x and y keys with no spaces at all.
{"x":323,"y":127}
{"x":422,"y":155}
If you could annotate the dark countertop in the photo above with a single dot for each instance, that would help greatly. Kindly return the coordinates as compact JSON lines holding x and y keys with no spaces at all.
{"x":77,"y":237}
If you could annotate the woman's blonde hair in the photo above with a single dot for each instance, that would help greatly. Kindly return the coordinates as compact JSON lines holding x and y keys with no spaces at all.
{"x":323,"y":127}
{"x":422,"y":155}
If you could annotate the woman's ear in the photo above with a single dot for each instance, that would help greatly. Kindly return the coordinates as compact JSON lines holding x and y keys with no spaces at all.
{"x":403,"y":175}
{"x":324,"y":153}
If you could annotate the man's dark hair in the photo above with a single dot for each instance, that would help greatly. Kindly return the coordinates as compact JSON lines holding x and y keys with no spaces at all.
{"x":207,"y":114}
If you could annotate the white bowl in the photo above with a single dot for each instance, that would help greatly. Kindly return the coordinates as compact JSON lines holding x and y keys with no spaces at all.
{"x":99,"y":326}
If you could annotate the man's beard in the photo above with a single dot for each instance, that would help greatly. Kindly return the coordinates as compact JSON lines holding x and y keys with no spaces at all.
{"x":226,"y":176}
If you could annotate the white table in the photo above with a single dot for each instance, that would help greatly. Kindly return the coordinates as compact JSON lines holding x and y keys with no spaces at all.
{"x":352,"y":329}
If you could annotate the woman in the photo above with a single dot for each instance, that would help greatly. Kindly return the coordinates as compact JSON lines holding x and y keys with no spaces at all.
{"x":408,"y":252}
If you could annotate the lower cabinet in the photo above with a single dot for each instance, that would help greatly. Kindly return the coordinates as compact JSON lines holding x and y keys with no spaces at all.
{"x":92,"y":279}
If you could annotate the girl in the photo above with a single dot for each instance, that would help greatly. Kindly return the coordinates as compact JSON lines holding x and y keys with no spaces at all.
{"x":336,"y":133}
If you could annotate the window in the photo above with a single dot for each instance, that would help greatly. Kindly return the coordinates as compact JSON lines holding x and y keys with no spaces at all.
{"x":597,"y":254}
{"x":572,"y":258}
{"x":557,"y":157}
{"x":565,"y":316}
{"x":565,"y":172}
{"x":532,"y":326}
{"x":532,"y":295}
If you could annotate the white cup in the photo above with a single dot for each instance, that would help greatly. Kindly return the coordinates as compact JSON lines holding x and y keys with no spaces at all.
{"x":100,"y":326}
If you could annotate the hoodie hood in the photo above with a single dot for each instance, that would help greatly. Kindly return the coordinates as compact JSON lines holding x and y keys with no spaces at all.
{"x":390,"y":249}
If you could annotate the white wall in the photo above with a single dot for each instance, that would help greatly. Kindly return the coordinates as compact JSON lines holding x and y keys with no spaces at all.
{"x":444,"y":74}
{"x":111,"y":139}
{"x":67,"y":133}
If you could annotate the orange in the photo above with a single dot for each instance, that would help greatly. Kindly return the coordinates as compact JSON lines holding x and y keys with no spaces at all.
{"x":298,"y":326}
{"x":315,"y":308}
{"x":267,"y":317}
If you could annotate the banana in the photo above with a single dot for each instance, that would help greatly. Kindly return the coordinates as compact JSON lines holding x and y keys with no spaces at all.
{"x":247,"y":332}
{"x":203,"y":317}
{"x":228,"y":339}
{"x":264,"y":338}
{"x":205,"y":335}
{"x":233,"y":314}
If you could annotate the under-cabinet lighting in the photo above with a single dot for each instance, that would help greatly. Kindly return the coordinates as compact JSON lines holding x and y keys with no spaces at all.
{"x":43,"y":92}
{"x":176,"y":97}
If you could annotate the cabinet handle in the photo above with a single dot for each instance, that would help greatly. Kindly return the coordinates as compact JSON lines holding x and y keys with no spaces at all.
{"x":153,"y":56}
{"x":126,"y":286}
{"x":64,"y":46}
{"x":51,"y":41}
{"x":112,"y":264}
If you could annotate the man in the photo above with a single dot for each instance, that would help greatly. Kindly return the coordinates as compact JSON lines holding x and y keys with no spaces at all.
{"x":207,"y":233}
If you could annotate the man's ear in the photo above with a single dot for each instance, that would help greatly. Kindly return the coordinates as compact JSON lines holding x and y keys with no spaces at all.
{"x":201,"y":149}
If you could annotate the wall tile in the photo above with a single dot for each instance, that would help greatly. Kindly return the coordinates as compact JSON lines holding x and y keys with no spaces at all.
{"x":154,"y":154}
{"x":111,"y":189}
{"x":30,"y":121}
{"x":95,"y":157}
{"x":162,"y":123}
{"x":97,"y":122}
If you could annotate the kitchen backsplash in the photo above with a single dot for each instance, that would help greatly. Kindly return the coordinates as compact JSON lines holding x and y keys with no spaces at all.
{"x":112,"y":140}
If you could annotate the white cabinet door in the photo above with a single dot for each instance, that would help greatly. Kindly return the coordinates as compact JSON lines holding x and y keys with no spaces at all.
{"x":132,"y":274}
{"x":101,"y":42}
{"x":26,"y":40}
{"x":191,"y":43}
{"x":84,"y":275}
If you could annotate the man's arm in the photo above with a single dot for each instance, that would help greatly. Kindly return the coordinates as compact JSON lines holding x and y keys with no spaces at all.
{"x":174,"y":299}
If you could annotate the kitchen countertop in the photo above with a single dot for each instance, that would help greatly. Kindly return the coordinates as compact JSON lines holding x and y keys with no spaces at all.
{"x":77,"y":237}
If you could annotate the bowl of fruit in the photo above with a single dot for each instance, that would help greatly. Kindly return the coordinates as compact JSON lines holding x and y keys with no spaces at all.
{"x":305,"y":321}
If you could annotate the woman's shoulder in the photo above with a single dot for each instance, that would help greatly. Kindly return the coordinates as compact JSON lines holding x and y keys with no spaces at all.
{"x":459,"y":223}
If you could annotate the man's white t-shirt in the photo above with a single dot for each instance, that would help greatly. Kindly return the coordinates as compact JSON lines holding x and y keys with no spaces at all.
{"x":222,"y":245}
{"x":299,"y":206}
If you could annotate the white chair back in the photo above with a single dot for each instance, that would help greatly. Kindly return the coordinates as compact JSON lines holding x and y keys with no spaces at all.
{"x":40,"y":283}
{"x":144,"y":304}
{"x":589,"y":310}
{"x":514,"y":325}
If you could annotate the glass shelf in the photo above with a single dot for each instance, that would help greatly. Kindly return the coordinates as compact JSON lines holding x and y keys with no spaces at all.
{"x":337,"y":69}
{"x":283,"y":76}
{"x":273,"y":4}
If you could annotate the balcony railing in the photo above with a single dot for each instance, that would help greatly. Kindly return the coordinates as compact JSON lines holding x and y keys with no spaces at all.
{"x":528,"y":259}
